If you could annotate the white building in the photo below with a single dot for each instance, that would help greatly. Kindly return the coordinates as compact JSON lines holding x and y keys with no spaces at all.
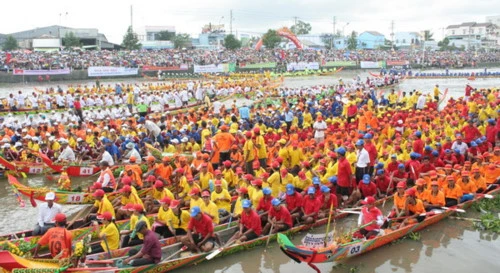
{"x":407,"y":39}
{"x":493,"y":19}
{"x":474,"y":34}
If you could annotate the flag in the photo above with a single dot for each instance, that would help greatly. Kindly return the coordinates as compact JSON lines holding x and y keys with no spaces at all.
{"x":8,"y":57}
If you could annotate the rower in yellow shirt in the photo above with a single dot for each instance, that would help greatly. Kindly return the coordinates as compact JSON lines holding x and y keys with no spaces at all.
{"x":209,"y":208}
{"x":221,"y":197}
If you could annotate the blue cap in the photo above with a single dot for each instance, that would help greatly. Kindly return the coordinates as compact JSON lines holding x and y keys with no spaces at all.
{"x":473,"y":144}
{"x":490,"y":120}
{"x":413,"y":154}
{"x":341,"y":150}
{"x":195,"y":211}
{"x":316,"y":180}
{"x":380,"y":165}
{"x":246,"y":204}
{"x":381,"y":171}
{"x":360,"y":142}
{"x":483,"y":138}
{"x":275,"y":202}
{"x":106,"y":140}
{"x":401,"y":165}
{"x":333,"y":179}
{"x":289,"y":186}
{"x":366,"y":179}
{"x":325,"y":189}
{"x":141,"y":119}
{"x":457,"y":151}
{"x":428,"y":148}
{"x":447,"y":151}
{"x":435,"y":153}
{"x":290,"y":191}
{"x":418,"y":133}
{"x":311,"y":190}
{"x":266,"y":191}
{"x":368,"y":136}
{"x":479,"y":141}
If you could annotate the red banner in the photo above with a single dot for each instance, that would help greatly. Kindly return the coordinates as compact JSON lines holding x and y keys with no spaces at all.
{"x":400,"y":62}
{"x":164,"y":68}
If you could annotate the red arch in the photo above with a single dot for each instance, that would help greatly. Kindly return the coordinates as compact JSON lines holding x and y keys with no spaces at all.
{"x":283,"y":32}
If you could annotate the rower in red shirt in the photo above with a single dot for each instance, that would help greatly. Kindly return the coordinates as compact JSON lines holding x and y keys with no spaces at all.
{"x":293,"y":201}
{"x":328,"y":200}
{"x":418,"y":144}
{"x":200,"y":233}
{"x":371,"y":217}
{"x":279,"y":218}
{"x":250,"y":224}
{"x":311,"y":206}
{"x":393,"y":165}
{"x":426,"y":166}
{"x":383,"y":181}
{"x":344,"y":184}
{"x":470,"y":132}
{"x":491,"y":131}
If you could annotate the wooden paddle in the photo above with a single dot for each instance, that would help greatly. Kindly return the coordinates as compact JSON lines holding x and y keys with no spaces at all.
{"x":328,"y":225}
{"x":106,"y":243}
{"x":390,"y":185}
{"x":455,"y":209}
{"x":220,"y":249}
{"x":79,"y":215}
{"x":184,"y":248}
{"x":269,"y":236}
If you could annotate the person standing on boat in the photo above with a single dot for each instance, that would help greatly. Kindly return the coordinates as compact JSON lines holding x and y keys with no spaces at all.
{"x":46,"y":213}
{"x":150,"y":252}
{"x":58,"y":239}
{"x":344,"y":176}
{"x":200,"y":232}
{"x":371,"y":217}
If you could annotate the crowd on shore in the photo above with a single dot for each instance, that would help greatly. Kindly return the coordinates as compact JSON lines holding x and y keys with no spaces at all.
{"x":25,"y":59}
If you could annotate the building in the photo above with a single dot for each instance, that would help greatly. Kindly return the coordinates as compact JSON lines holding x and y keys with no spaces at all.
{"x":494,"y":20}
{"x":149,"y":33}
{"x":472,"y":34}
{"x":407,"y":39}
{"x":371,"y":40}
{"x":90,"y":38}
{"x":211,"y":37}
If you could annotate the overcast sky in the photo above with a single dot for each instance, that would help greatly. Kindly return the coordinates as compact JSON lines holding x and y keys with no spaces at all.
{"x":113,"y":17}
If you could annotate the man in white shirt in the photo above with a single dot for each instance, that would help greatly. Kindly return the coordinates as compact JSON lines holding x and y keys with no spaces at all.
{"x":184,"y":97}
{"x":67,"y":153}
{"x":363,"y":160}
{"x":319,"y":129}
{"x":460,"y":145}
{"x":421,"y":101}
{"x":106,"y":156}
{"x":46,"y":213}
{"x":131,"y":152}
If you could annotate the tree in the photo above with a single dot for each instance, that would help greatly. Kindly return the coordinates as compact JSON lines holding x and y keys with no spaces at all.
{"x":271,"y":39}
{"x":130,"y":40}
{"x":182,"y":40}
{"x":10,"y":43}
{"x":165,"y":36}
{"x":327,"y":40}
{"x":352,"y":41}
{"x":70,"y":40}
{"x":301,"y":27}
{"x":428,"y":35}
{"x":230,"y":42}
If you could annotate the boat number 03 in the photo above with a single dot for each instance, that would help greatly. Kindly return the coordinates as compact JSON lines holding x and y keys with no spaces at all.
{"x":35,"y":170}
{"x":75,"y":198}
{"x":354,"y":249}
{"x":86,"y":171}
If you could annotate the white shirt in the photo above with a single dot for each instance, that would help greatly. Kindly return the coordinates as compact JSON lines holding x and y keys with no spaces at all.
{"x":462,"y":147}
{"x":67,"y":154}
{"x":46,"y":214}
{"x":104,"y":179}
{"x":106,"y":156}
{"x":152,"y":127}
{"x":421,"y":102}
{"x":363,"y":158}
{"x":135,"y":153}
{"x":217,"y":106}
{"x":319,"y":127}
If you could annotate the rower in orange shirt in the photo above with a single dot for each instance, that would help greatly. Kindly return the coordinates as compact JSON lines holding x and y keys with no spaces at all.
{"x":478,"y":179}
{"x":399,"y":200}
{"x":469,"y":188}
{"x":452,"y":192}
{"x":414,"y":208}
{"x":434,"y":197}
{"x":164,"y":170}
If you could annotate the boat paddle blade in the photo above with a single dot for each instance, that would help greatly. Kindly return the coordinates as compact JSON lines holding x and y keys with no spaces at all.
{"x":214,"y":253}
{"x":488,"y":196}
{"x":350,"y":211}
{"x":455,"y":209}
{"x":23,"y":174}
{"x":32,"y":199}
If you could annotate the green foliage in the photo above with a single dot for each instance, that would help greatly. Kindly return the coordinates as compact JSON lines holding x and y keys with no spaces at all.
{"x":428,"y":35}
{"x":70,"y":40}
{"x":182,"y":40}
{"x":487,"y":205}
{"x":165,"y":36}
{"x":488,"y":222}
{"x":10,"y":43}
{"x":415,"y":236}
{"x":327,"y":40}
{"x":352,"y":42}
{"x":301,"y":28}
{"x":130,"y":40}
{"x":271,"y":39}
{"x":230,"y":42}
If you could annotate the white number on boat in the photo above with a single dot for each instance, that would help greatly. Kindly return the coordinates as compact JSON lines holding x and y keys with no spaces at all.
{"x":35,"y":170}
{"x":86,"y":171}
{"x":354,"y":250}
{"x":75,"y":198}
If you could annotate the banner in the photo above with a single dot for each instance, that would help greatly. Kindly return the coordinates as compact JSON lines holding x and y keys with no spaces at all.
{"x":340,"y":63}
{"x":42,"y":72}
{"x":365,"y":64}
{"x":302,"y":66}
{"x":164,"y":68}
{"x":103,"y":71}
{"x":316,"y":240}
{"x":399,"y":63}
{"x":211,"y":68}
{"x":258,"y":65}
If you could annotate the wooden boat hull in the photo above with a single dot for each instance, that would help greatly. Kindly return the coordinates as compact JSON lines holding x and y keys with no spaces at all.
{"x":25,"y":167}
{"x":339,"y":252}
{"x":71,"y":170}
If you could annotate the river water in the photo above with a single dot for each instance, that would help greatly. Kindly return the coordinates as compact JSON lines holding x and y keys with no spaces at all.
{"x":450,"y":245}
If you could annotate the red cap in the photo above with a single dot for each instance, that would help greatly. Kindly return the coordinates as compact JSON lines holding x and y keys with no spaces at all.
{"x":450,"y":177}
{"x":205,"y":194}
{"x":126,"y":188}
{"x":284,"y":171}
{"x":306,"y":164}
{"x":218,"y":182}
{"x":411,"y":192}
{"x":368,"y":200}
{"x":107,"y":216}
{"x":420,"y":182}
{"x":239,"y":170}
{"x":257,"y":182}
{"x":138,"y":208}
{"x":275,"y":165}
{"x":302,"y":175}
{"x":432,"y":173}
{"x":256,"y":130}
{"x":279,"y":159}
{"x":401,"y":185}
{"x":158,"y":184}
{"x":264,"y":175}
{"x":242,"y":190}
{"x":256,"y":164}
{"x":165,"y":200}
{"x":60,"y":217}
{"x":174,"y":204}
{"x":204,"y":165}
{"x":151,"y":178}
{"x":248,"y":177}
{"x":96,"y":186}
{"x":179,"y":170}
{"x":248,"y":134}
{"x":98,"y":193}
{"x":227,"y":163}
{"x":127,"y":180}
{"x":194,"y":191}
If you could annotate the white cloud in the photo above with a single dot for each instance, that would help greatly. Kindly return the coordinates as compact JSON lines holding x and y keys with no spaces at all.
{"x":113,"y":17}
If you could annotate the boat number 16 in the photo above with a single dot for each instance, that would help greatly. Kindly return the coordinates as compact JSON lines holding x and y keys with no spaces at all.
{"x":355,"y":249}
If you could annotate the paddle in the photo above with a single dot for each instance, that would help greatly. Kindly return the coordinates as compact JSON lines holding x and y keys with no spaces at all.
{"x":184,"y":248}
{"x":220,"y":249}
{"x":350,"y":211}
{"x":269,"y":236}
{"x":106,"y":243}
{"x":328,"y":225}
{"x":466,"y":219}
{"x":79,"y":215}
{"x":390,"y":185}
{"x":455,"y":209}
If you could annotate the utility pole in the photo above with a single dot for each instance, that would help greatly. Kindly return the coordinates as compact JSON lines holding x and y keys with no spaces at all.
{"x":295,"y":18}
{"x":131,"y":18}
{"x":231,"y":21}
{"x":333,"y":34}
{"x":392,"y":34}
